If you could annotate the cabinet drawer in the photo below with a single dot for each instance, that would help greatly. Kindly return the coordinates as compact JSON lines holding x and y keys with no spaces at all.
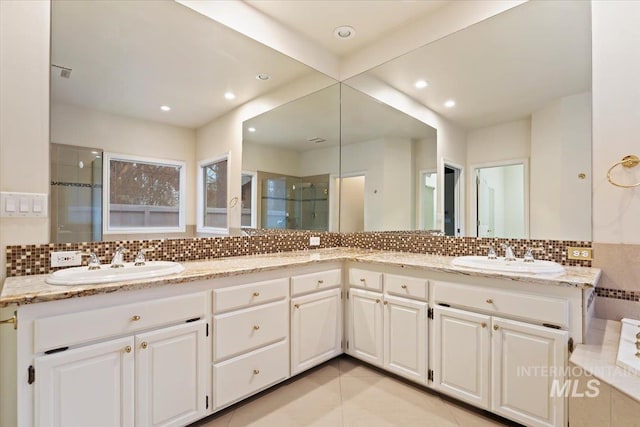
{"x":76,"y":328}
{"x":249,"y":373}
{"x":365,"y":279}
{"x":235,"y":297}
{"x":306,"y":283}
{"x":410,"y":287}
{"x":539,"y":308}
{"x":247,"y":329}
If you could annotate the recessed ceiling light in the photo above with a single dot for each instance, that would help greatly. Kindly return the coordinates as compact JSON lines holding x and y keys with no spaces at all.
{"x":263,"y":77}
{"x":450,"y":103}
{"x":421,"y":84}
{"x":251,"y":129}
{"x":165,"y":108}
{"x":344,"y":32}
{"x":229,"y":95}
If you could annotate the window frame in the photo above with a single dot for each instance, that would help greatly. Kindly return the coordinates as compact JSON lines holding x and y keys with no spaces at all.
{"x":200,"y":227}
{"x":106,"y":180}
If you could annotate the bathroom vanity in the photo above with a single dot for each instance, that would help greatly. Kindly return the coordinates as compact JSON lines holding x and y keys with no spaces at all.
{"x":172,"y":350}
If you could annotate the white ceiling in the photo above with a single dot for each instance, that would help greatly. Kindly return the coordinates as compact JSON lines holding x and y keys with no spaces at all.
{"x":372,"y":19}
{"x":131,"y":57}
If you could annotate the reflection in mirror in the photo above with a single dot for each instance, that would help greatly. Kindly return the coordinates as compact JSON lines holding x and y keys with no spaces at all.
{"x":293,"y":152}
{"x":388,"y":160}
{"x":521,"y":82}
{"x":144,"y":78}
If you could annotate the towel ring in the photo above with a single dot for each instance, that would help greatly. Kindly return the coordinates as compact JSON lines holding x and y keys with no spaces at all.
{"x":629,"y":161}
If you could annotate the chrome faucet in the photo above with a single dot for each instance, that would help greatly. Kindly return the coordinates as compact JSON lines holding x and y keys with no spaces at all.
{"x":140,"y":258}
{"x":94,"y":261}
{"x":118,"y":260}
{"x":508,"y":252}
{"x":491,"y":252}
{"x":528,"y":256}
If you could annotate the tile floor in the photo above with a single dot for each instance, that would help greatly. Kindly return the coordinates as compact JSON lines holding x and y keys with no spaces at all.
{"x":345,"y":392}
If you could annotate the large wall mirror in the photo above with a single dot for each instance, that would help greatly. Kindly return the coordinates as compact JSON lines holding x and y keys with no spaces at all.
{"x":136,"y":81}
{"x":510,"y":101}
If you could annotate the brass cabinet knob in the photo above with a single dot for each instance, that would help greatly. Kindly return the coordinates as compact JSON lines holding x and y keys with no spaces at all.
{"x":256,"y":327}
{"x":363,"y":280}
{"x":483,"y":324}
{"x":638,"y":336}
{"x":320,"y":282}
{"x":489,"y":301}
{"x":127,"y":349}
{"x":135,"y":318}
{"x":13,"y":320}
{"x":256,"y":371}
{"x":256,"y":294}
{"x":638,"y":354}
{"x":144,"y":344}
{"x":638,"y":345}
{"x":495,"y":327}
{"x":296,"y":305}
{"x":386,"y":302}
{"x":403,"y":286}
{"x":377,"y":301}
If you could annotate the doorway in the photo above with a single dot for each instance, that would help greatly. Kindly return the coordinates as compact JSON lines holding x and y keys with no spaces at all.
{"x":428,"y":201}
{"x":452,"y":217}
{"x":352,"y":204}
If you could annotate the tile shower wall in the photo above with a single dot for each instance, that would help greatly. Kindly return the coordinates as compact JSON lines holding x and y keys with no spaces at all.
{"x":618,"y":293}
{"x":34,"y":259}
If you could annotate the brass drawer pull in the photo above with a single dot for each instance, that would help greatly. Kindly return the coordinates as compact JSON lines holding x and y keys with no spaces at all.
{"x":403,"y":286}
{"x":386,"y":302}
{"x":256,"y":327}
{"x":489,"y":301}
{"x":144,"y":344}
{"x":256,"y":371}
{"x":13,"y":320}
{"x":483,"y":324}
{"x":638,"y":354}
{"x":495,"y":327}
{"x":256,"y":294}
{"x":135,"y":318}
{"x":377,"y":301}
{"x":127,"y":349}
{"x":363,"y":280}
{"x":320,"y":282}
{"x":296,"y":305}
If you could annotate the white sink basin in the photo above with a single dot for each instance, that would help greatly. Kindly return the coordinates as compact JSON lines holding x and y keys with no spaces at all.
{"x":106,"y":274}
{"x":518,"y":266}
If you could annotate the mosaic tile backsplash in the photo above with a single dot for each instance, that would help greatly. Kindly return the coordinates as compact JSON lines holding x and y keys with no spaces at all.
{"x":25,"y":260}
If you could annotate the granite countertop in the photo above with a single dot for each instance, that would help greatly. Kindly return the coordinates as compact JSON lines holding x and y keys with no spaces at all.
{"x":598,"y":358}
{"x":33,"y":289}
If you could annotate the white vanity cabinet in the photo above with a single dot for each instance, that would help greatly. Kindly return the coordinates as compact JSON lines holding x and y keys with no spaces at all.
{"x":155,"y":377}
{"x":316,"y":319}
{"x":506,"y":366}
{"x":387,"y":330}
{"x":251,"y":339}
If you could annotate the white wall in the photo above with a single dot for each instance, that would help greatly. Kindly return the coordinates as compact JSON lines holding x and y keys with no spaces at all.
{"x":267,"y":158}
{"x":559,"y":200}
{"x":505,"y":141}
{"x":24,"y":118}
{"x":616,"y":108}
{"x":73,"y":125}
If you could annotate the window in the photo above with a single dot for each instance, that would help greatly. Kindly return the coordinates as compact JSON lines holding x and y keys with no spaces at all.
{"x":213,"y":189}
{"x":143,"y":195}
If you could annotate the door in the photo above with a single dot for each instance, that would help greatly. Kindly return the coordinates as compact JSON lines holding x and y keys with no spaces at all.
{"x":452,"y":201}
{"x":405,"y":337}
{"x":527,"y":361}
{"x":316,"y":329}
{"x":171,"y":375}
{"x":88,"y":386}
{"x":461,"y":354}
{"x":485,"y":207}
{"x":366,"y":326}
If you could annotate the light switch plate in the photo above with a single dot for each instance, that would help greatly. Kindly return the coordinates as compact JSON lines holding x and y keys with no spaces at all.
{"x":23,"y":205}
{"x":314,"y":241}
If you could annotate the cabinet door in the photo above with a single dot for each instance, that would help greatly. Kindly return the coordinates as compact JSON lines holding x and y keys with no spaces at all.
{"x":366,"y":326}
{"x":405,"y":337}
{"x":527,"y":361}
{"x":461,"y":354}
{"x":316,"y":329}
{"x":88,"y":386}
{"x":171,"y":375}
